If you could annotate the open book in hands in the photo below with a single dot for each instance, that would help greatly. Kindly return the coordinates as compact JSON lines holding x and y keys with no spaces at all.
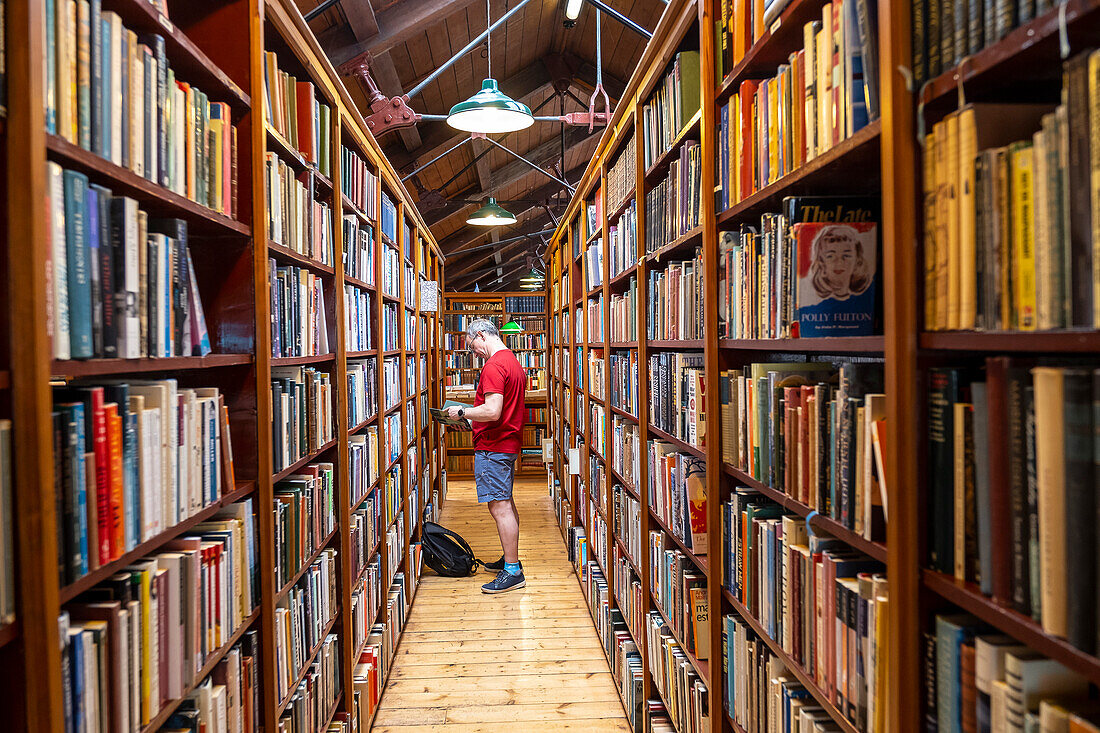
{"x":440,"y":415}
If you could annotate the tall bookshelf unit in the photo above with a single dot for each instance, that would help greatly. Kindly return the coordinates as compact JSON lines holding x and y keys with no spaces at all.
{"x":883,"y":159}
{"x":461,"y":367}
{"x":220,"y":48}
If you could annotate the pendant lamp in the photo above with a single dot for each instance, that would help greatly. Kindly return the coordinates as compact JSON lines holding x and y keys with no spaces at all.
{"x":490,"y":110}
{"x":511,"y":327}
{"x":491,"y":215}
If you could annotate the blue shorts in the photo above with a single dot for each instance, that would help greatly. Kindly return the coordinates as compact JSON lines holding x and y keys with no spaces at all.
{"x":493,"y":474}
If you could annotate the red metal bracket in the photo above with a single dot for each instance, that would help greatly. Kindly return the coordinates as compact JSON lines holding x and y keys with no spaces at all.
{"x":386,"y":114}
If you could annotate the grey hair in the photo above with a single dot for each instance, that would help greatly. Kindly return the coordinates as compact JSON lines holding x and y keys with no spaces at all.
{"x":481,"y":325}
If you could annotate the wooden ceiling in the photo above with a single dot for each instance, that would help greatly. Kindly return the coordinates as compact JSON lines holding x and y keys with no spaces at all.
{"x":408,"y":39}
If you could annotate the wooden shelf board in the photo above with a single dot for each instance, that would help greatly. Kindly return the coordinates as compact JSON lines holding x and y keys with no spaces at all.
{"x":289,"y":256}
{"x":824,"y":345}
{"x":623,"y":344}
{"x":618,"y":210}
{"x":281,"y":361}
{"x":362,"y":354}
{"x":876,"y":550}
{"x":685,"y":240}
{"x":303,"y":461}
{"x":680,"y":444}
{"x":103,"y":572}
{"x":279,"y":144}
{"x":362,"y":284}
{"x":676,"y":344}
{"x":1024,"y":628}
{"x":1012,"y":341}
{"x":74,"y":369}
{"x":700,"y":561}
{"x":623,"y":413}
{"x":623,"y":278}
{"x":151,"y":197}
{"x":792,"y":666}
{"x":827,"y":173}
{"x":352,"y":208}
{"x":701,"y":666}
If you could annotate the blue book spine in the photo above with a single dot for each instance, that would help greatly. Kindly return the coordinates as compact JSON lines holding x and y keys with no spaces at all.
{"x":92,"y":209}
{"x":76,"y":501}
{"x":76,"y":667}
{"x":105,"y":87}
{"x":76,"y":251}
{"x":96,"y":49}
{"x":133,"y":484}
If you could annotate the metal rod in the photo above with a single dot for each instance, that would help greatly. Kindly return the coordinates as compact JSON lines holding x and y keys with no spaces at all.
{"x":510,"y":240}
{"x":320,"y":9}
{"x":465,"y":49}
{"x":621,"y":18}
{"x":517,"y":156}
{"x":460,"y":143}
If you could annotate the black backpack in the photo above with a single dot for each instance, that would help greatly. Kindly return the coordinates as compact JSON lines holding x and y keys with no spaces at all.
{"x":447,"y":553}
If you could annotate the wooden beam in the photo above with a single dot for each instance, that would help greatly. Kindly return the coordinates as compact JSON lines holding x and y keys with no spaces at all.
{"x":399,"y":23}
{"x":471,"y":266}
{"x":484,"y":174}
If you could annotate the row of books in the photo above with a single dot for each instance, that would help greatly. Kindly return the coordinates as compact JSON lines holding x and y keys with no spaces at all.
{"x":810,"y":271}
{"x":366,"y":597}
{"x":813,"y":596}
{"x":944,"y":32}
{"x":475,"y":305}
{"x":366,"y":519}
{"x":305,"y":516}
{"x":675,"y":297}
{"x":391,"y":381}
{"x":137,"y":640}
{"x":593,"y":265}
{"x":596,"y":365}
{"x":793,"y":427}
{"x":387,"y":221}
{"x":358,"y":316}
{"x":389,"y":327}
{"x":1009,"y":211}
{"x":362,"y":390}
{"x":359,"y":183}
{"x":410,"y":283}
{"x":673,"y":104}
{"x":679,"y":590}
{"x":299,"y":321}
{"x":391,"y":271}
{"x":370,"y":674}
{"x":623,"y":240}
{"x":621,"y":176}
{"x":132,"y":459}
{"x":525,"y":341}
{"x":301,"y":619}
{"x":358,"y":249}
{"x":624,"y":381}
{"x":227,"y":700}
{"x":624,"y":313}
{"x":677,"y":403}
{"x":826,"y":93}
{"x":112,"y":92}
{"x":672,"y":207}
{"x":625,"y":449}
{"x":391,"y":503}
{"x":595,"y":319}
{"x":362,"y":462}
{"x":392,"y":436}
{"x":628,"y":586}
{"x":301,"y":413}
{"x":977,"y":679}
{"x":678,"y":494}
{"x":123,"y":285}
{"x":1014,"y":511}
{"x":292,"y":108}
{"x":683,"y":693}
{"x":311,"y":702}
{"x":295,"y":219}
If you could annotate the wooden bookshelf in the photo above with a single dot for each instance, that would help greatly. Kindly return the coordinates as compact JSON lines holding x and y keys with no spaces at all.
{"x":883,"y":159}
{"x":218,"y":48}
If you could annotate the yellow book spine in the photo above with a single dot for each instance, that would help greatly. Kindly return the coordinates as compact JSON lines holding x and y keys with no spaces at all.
{"x":1023,"y":234}
{"x":929,"y":232}
{"x":943,"y":222}
{"x":1094,"y":197}
{"x":954,"y":253}
{"x":146,"y":649}
{"x":968,"y":242}
{"x":773,"y":130}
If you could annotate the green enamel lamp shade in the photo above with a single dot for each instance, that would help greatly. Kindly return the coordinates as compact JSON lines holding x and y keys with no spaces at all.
{"x":511,"y":327}
{"x":534,"y":276}
{"x":491,"y":215}
{"x":490,"y":110}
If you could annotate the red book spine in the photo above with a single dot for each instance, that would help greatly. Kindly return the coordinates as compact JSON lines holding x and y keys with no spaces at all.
{"x":746,"y":161}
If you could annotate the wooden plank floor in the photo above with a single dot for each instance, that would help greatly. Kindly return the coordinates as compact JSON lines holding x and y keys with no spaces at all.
{"x":477,"y":662}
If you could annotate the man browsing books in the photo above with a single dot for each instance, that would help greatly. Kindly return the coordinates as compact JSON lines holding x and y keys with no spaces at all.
{"x":497,"y":423}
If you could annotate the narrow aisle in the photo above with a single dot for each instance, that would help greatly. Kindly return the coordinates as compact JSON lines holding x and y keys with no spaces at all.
{"x":478,"y":662}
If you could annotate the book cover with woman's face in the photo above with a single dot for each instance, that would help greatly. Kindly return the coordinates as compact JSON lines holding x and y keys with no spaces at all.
{"x":837,"y":274}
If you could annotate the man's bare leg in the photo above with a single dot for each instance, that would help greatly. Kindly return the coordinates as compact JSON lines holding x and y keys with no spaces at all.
{"x":507,"y":519}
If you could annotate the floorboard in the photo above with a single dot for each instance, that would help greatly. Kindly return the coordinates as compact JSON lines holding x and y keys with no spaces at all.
{"x":477,"y":662}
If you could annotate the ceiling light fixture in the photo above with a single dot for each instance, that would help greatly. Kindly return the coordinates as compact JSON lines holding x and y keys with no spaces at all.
{"x":511,"y":327}
{"x":573,"y":10}
{"x":490,"y":110}
{"x":491,"y":215}
{"x":534,"y":276}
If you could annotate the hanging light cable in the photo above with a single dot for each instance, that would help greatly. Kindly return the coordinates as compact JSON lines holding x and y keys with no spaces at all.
{"x":490,"y":110}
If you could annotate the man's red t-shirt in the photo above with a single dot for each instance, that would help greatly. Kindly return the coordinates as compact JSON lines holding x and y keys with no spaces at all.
{"x":502,"y":375}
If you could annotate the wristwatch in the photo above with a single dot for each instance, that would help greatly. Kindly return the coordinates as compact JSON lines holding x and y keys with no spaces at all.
{"x":461,"y":412}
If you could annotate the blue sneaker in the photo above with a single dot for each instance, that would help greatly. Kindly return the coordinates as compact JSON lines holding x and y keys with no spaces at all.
{"x":504,"y":582}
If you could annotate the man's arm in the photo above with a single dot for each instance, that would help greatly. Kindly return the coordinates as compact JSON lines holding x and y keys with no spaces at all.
{"x":488,"y":411}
